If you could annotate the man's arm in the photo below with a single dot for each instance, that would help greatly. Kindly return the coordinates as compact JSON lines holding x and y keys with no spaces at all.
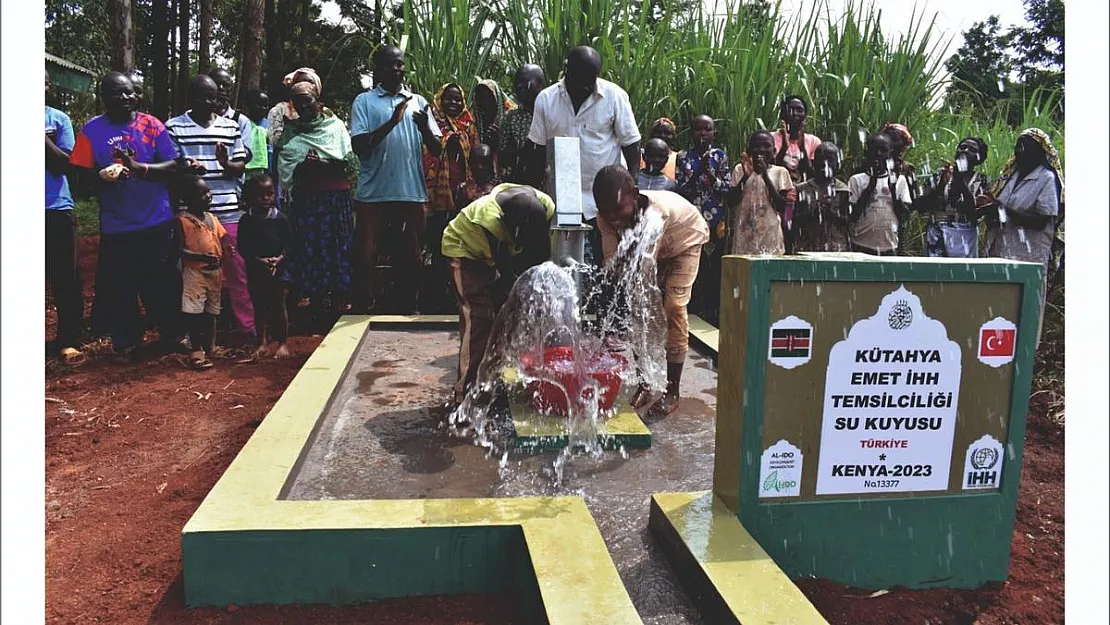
{"x":632,"y":158}
{"x":57,"y":160}
{"x":860,"y":205}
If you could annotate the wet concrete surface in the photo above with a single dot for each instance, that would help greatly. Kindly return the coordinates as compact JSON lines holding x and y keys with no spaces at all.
{"x":383,"y":438}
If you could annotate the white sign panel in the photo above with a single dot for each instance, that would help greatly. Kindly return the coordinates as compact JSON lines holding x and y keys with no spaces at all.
{"x":780,"y":471}
{"x":983,"y":464}
{"x":889,"y":415}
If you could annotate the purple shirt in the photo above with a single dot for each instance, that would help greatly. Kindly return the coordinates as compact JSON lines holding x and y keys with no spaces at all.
{"x":132,"y":204}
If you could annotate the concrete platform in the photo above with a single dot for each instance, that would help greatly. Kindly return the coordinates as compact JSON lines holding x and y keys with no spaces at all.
{"x":248,"y":543}
{"x":381,"y":437}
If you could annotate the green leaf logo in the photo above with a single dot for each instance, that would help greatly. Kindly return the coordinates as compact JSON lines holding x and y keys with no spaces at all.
{"x":772,"y":481}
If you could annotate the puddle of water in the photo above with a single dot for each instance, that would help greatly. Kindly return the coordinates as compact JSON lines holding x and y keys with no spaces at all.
{"x":402,"y":450}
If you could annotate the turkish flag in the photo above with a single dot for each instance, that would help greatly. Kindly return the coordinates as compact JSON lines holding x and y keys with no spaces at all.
{"x":997,"y":342}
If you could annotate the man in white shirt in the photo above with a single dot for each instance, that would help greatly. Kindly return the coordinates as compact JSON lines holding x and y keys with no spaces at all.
{"x":599,"y":114}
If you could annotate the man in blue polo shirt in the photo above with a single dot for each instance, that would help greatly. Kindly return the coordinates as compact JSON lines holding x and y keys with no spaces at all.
{"x":388,"y":126}
{"x":61,"y":237}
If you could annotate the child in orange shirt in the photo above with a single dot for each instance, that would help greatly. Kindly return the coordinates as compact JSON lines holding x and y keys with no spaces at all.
{"x":202,"y":238}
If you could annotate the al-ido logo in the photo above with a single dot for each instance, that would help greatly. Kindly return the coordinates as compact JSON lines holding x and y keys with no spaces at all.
{"x":780,"y":471}
{"x":773,"y":483}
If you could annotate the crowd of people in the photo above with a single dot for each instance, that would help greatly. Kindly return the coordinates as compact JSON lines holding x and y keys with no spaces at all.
{"x":254,"y":208}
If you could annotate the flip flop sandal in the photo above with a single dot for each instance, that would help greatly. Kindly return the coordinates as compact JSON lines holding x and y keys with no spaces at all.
{"x":72,"y":357}
{"x":199,"y":364}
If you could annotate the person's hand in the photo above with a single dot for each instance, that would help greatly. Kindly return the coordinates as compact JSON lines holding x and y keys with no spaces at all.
{"x":399,"y":111}
{"x":760,"y":165}
{"x":192,"y":166}
{"x":791,"y":195}
{"x":113,"y":172}
{"x":745,"y":164}
{"x":945,"y":174}
{"x":454,"y":147}
{"x":221,"y":155}
{"x":423,"y":119}
{"x":985,"y":200}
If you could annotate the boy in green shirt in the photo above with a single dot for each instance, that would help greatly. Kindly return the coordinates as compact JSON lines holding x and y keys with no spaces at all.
{"x":488,"y":244}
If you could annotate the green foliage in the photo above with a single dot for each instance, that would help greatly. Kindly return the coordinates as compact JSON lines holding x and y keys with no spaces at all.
{"x":982,"y":69}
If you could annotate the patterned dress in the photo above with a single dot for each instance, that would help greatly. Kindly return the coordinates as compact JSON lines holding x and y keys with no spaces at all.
{"x":514,"y":134}
{"x":705,"y":187}
{"x":754,"y":225}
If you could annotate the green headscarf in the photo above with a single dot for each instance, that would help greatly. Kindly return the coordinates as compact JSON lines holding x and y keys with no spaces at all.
{"x":503,"y":105}
{"x":326,"y":134}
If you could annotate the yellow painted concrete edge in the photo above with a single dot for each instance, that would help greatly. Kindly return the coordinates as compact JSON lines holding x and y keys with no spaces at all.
{"x":753,"y":587}
{"x":703,"y":332}
{"x":625,"y":422}
{"x":577,"y":579}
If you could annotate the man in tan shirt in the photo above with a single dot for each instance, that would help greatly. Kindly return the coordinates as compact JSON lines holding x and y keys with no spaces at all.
{"x":621,"y":205}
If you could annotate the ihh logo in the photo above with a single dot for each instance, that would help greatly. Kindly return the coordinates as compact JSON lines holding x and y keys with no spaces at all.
{"x":981,"y":479}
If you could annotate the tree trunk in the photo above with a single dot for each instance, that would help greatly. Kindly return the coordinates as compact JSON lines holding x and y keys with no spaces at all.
{"x":250,"y":76}
{"x":171,"y":77}
{"x":161,"y":63}
{"x":275,"y":63}
{"x":183,"y":66}
{"x":302,"y":32}
{"x":121,"y":35}
{"x":204,"y":62}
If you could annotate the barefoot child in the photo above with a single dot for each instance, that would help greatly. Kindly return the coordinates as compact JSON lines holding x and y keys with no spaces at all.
{"x":265,"y":237}
{"x":759,"y":196}
{"x":620,"y":206}
{"x":821,"y":212}
{"x":202,"y":238}
{"x":879,"y":202}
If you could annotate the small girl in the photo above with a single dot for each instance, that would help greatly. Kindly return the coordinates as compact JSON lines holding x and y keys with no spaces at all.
{"x":265,"y":238}
{"x":758,"y":199}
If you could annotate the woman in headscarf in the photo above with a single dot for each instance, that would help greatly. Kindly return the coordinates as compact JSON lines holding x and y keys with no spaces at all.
{"x":794,"y":147}
{"x":447,"y":177}
{"x":285,"y":110}
{"x":490,"y":106}
{"x":952,"y":205}
{"x":1022,"y":222}
{"x":665,"y":129}
{"x":314,"y":160}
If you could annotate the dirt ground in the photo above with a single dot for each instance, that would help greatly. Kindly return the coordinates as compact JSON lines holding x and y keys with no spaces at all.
{"x":132,"y":450}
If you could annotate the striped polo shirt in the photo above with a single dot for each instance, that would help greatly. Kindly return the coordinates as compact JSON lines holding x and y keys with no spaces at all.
{"x":199,"y":143}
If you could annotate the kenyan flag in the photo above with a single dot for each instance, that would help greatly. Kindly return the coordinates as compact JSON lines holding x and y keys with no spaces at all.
{"x":790,"y":343}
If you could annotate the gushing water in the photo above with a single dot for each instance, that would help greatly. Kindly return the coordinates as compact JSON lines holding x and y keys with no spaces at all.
{"x":543,"y":314}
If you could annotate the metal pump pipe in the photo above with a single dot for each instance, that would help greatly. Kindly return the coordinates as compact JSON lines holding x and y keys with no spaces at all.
{"x":564,"y":184}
